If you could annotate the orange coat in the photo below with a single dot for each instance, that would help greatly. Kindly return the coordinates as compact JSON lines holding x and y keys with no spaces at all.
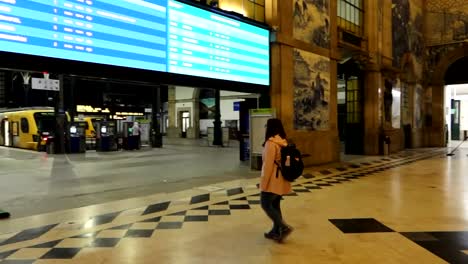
{"x":268,"y":180}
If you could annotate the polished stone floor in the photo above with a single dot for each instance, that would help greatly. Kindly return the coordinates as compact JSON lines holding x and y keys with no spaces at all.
{"x":410,"y":207}
{"x":36,"y":183}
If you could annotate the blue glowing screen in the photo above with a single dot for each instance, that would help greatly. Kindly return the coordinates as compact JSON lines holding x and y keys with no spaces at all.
{"x":158,"y":35}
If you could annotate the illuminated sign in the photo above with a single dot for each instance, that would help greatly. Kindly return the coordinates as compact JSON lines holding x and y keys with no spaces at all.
{"x":90,"y":109}
{"x":157,"y":35}
{"x":129,"y":114}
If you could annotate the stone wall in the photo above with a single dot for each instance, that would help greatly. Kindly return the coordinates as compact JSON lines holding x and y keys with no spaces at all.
{"x":303,"y":89}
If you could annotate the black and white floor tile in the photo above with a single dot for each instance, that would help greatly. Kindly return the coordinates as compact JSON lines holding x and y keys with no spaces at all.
{"x":449,"y":246}
{"x":201,"y":208}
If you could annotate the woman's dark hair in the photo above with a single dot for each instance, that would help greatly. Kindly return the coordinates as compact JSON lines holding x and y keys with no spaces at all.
{"x":274,"y":127}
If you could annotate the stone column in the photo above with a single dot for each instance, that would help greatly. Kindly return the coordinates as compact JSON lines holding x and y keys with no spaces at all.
{"x":156,"y":116}
{"x":372,"y":127}
{"x":172,"y":131}
{"x":218,"y":133}
{"x":194,"y":130}
{"x":60,"y":130}
{"x":72,"y":99}
{"x":437,"y":130}
{"x":411,"y":88}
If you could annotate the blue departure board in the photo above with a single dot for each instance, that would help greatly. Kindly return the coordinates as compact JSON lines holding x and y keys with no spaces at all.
{"x":157,"y":35}
{"x":205,"y":44}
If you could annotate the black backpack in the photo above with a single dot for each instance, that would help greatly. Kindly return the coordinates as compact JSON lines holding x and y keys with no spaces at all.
{"x":292,"y":167}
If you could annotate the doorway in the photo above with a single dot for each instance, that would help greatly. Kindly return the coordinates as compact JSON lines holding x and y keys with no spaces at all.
{"x":350,"y":108}
{"x":184,"y":117}
{"x":455,"y":120}
{"x":6,"y":132}
{"x":456,"y":112}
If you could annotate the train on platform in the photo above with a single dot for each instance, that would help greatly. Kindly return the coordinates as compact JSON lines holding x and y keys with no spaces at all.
{"x":27,"y":128}
{"x":33,"y":128}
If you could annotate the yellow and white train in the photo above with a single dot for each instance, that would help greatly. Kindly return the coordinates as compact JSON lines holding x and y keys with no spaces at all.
{"x":26,"y":128}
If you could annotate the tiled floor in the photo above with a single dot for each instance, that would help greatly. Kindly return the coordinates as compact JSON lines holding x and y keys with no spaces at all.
{"x":62,"y":182}
{"x":406,"y":208}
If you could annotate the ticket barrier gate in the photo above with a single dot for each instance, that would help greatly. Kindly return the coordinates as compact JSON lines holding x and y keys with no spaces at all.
{"x":106,"y":136}
{"x":130,"y":141}
{"x":77,"y":137}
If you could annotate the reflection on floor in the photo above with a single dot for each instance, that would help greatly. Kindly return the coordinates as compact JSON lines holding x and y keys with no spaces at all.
{"x":398,"y":209}
{"x":37,"y":183}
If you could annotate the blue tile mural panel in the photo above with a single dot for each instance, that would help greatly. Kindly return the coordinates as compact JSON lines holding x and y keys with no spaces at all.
{"x":407,"y":35}
{"x":311,"y":91}
{"x":312,"y":22}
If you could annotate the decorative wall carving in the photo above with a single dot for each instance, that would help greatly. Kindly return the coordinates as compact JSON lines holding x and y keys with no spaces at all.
{"x":405,"y":104}
{"x":408,"y":38}
{"x":446,"y":31}
{"x":312,"y":22}
{"x":435,"y":53}
{"x":446,"y":21}
{"x":418,"y":106}
{"x":311,"y":91}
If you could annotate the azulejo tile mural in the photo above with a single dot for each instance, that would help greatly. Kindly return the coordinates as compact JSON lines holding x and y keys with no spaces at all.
{"x":447,"y":21}
{"x":446,"y":29}
{"x":312,"y":21}
{"x":311,"y":91}
{"x":418,"y":104}
{"x":408,"y":38}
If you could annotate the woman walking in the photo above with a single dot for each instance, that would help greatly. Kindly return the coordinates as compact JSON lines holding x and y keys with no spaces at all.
{"x":272,"y":184}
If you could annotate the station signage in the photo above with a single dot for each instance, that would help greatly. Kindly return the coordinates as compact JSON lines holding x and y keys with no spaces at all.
{"x":158,"y":35}
{"x":45,"y":84}
{"x":91,"y":109}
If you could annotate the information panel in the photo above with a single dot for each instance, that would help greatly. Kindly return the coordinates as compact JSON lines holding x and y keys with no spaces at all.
{"x":158,"y":35}
{"x":205,"y":44}
{"x":123,"y":33}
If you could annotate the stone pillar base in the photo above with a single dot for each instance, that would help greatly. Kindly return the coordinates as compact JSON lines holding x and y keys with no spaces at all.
{"x":437,"y":137}
{"x":173,"y":132}
{"x":191,"y":133}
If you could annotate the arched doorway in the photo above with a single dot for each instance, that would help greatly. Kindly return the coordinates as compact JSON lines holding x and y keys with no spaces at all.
{"x":456,"y":100}
{"x":447,"y":65}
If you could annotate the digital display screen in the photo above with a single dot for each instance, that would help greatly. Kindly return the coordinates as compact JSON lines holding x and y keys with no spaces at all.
{"x":205,"y":44}
{"x":157,"y":35}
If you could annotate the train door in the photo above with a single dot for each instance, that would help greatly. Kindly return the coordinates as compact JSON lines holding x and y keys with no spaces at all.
{"x":5,"y":132}
{"x":14,"y":136}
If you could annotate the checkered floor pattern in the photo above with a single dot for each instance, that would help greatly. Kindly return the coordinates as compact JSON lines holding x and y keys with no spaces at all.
{"x":449,"y":246}
{"x":173,"y":214}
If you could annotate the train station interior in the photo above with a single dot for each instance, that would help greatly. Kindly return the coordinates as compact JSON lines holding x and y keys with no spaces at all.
{"x":133,"y":131}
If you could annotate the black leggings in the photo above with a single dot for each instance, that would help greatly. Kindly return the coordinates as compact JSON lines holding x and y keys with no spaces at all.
{"x":271,"y":205}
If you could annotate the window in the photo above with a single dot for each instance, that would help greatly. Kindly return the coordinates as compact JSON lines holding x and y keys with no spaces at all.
{"x":350,"y":15}
{"x":353,"y":101}
{"x":24,"y":125}
{"x":255,"y":9}
{"x":14,"y":129}
{"x":45,"y":121}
